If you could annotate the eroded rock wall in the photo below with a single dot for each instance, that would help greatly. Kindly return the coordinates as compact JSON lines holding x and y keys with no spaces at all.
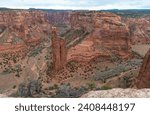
{"x":106,"y":30}
{"x":22,"y":28}
{"x":139,"y":29}
{"x":143,"y":80}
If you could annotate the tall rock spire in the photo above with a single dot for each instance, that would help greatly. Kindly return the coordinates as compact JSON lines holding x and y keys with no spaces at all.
{"x":58,"y":51}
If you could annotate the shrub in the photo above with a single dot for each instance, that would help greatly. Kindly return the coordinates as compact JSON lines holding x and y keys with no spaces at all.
{"x":30,"y":89}
{"x":66,"y":91}
{"x":91,"y":86}
{"x":105,"y":88}
{"x":104,"y":75}
{"x":1,"y":91}
{"x":55,"y":86}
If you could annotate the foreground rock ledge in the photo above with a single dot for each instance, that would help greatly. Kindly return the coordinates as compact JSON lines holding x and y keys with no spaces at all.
{"x":2,"y":96}
{"x":119,"y":93}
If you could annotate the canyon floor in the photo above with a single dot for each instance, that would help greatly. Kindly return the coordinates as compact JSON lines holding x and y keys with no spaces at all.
{"x":92,"y":54}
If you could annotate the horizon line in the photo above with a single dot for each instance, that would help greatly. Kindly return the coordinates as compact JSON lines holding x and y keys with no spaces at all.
{"x":70,"y":9}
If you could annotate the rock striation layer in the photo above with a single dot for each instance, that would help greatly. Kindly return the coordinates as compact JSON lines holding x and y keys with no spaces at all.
{"x":139,"y":29}
{"x":21,"y":30}
{"x":107,"y":33}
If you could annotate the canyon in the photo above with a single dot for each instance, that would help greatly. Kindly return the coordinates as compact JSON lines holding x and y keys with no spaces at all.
{"x":93,"y":49}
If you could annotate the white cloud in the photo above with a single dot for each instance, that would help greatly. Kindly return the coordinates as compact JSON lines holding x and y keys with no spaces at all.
{"x":76,"y":4}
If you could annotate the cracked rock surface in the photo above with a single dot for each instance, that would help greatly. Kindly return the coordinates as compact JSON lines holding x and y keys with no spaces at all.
{"x":119,"y":93}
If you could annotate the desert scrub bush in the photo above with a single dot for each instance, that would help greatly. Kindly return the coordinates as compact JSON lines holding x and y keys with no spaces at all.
{"x":30,"y":89}
{"x":1,"y":90}
{"x":72,"y":66}
{"x":87,"y":69}
{"x":103,"y":75}
{"x":134,"y":62}
{"x":55,"y":86}
{"x":36,"y":51}
{"x":66,"y":91}
{"x":17,"y":69}
{"x":47,"y":57}
{"x":91,"y":86}
{"x":127,"y":81}
{"x":49,"y":68}
{"x":80,"y":38}
{"x":105,"y":88}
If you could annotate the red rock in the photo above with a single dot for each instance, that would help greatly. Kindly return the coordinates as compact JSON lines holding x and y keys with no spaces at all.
{"x":110,"y":36}
{"x":139,"y":29}
{"x":58,"y":50}
{"x":26,"y":28}
{"x":56,"y":18}
{"x":143,"y":80}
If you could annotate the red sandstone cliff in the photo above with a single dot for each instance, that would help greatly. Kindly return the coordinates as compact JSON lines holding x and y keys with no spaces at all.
{"x":56,"y":17}
{"x":25,"y":25}
{"x":143,"y":80}
{"x":139,"y":29}
{"x":108,"y":35}
{"x":22,"y":27}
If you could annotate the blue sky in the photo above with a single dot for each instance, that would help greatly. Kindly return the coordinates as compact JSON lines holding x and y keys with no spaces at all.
{"x":77,"y":4}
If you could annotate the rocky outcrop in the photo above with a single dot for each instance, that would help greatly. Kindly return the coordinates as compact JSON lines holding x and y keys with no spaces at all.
{"x":22,"y":30}
{"x":2,"y":96}
{"x":119,"y":93}
{"x":108,"y":35}
{"x":82,"y":20}
{"x":111,"y":34}
{"x":57,"y":18}
{"x":59,"y":51}
{"x":22,"y":22}
{"x":143,"y":80}
{"x":139,"y":29}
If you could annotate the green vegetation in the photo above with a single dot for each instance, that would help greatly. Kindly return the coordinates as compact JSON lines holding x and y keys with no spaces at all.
{"x":74,"y":36}
{"x":91,"y":86}
{"x":104,"y":75}
{"x":72,"y":66}
{"x":105,"y":88}
{"x":1,"y":90}
{"x":49,"y":68}
{"x":29,"y":89}
{"x":16,"y":69}
{"x":66,"y":91}
{"x":55,"y":86}
{"x":36,"y":51}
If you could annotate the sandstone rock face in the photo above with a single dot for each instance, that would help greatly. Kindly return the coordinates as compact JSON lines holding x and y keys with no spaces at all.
{"x":119,"y":93}
{"x":22,"y":22}
{"x":111,"y":33}
{"x":82,"y":20}
{"x":22,"y":29}
{"x":56,"y":17}
{"x":58,"y":50}
{"x":139,"y":29}
{"x":2,"y":96}
{"x":143,"y":80}
{"x":108,"y":35}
